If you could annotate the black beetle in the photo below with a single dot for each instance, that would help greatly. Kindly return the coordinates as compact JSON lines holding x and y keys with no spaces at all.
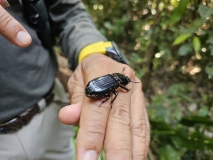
{"x":105,"y":85}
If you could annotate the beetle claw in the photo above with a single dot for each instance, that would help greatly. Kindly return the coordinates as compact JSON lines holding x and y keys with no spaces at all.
{"x":108,"y":96}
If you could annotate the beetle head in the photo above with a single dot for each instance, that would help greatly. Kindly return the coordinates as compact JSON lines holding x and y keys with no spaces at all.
{"x":127,"y":80}
{"x":124,"y":80}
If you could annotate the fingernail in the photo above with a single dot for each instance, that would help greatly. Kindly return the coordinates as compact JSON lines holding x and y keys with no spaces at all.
{"x":90,"y":155}
{"x":23,"y":37}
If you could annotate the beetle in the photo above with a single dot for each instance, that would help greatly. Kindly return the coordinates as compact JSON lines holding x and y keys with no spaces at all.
{"x":103,"y":86}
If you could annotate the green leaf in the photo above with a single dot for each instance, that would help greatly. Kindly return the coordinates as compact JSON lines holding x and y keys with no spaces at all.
{"x":211,"y":50}
{"x":196,"y":44}
{"x":210,"y":40}
{"x":180,"y":39}
{"x":203,"y":112}
{"x":184,"y":50}
{"x":169,"y":153}
{"x":184,"y":142}
{"x":192,"y":120}
{"x":193,"y":27}
{"x":108,"y":25}
{"x":209,"y":69}
{"x":178,"y":12}
{"x":205,"y":11}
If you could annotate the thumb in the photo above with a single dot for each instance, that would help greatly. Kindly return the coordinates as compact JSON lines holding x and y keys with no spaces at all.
{"x":12,"y":30}
{"x":70,"y":114}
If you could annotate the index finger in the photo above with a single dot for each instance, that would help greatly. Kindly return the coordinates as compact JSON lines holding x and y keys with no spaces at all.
{"x":94,"y":117}
{"x":92,"y":129}
{"x":12,"y":30}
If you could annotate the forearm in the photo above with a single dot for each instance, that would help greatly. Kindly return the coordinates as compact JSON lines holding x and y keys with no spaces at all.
{"x":79,"y":29}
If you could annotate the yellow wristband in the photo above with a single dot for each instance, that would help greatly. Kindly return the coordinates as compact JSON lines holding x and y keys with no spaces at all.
{"x":99,"y":47}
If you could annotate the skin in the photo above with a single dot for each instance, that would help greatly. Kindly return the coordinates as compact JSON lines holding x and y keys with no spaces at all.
{"x":122,"y":130}
{"x":12,"y":30}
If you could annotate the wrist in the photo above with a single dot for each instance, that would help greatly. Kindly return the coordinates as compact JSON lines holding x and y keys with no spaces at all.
{"x":95,"y":48}
{"x":106,"y":48}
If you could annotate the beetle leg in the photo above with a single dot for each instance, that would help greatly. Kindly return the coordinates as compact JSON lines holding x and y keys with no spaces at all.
{"x":116,"y":94}
{"x":108,"y":96}
{"x":123,"y":70}
{"x":124,"y":88}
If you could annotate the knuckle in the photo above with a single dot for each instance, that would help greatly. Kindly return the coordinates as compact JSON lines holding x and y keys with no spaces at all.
{"x":120,"y":114}
{"x":76,"y":98}
{"x":74,"y":89}
{"x":125,"y":149}
{"x":139,"y":156}
{"x":72,"y":79}
{"x":5,"y":21}
{"x":95,"y":129}
{"x":73,"y":83}
{"x":129,"y":72}
{"x":139,"y":128}
{"x":120,"y":153}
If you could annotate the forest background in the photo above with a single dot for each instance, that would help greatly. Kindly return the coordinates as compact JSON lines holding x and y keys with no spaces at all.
{"x":169,"y":44}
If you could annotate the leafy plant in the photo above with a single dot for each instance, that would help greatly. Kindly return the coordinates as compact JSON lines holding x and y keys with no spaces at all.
{"x":170,"y":46}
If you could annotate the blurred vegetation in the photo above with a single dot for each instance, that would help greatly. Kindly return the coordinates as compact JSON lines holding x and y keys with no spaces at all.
{"x":169,"y":43}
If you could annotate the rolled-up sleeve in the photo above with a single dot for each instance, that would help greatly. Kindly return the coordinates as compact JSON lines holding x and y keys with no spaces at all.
{"x":74,"y":27}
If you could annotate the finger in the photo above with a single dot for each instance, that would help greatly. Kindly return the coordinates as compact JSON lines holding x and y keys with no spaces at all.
{"x":118,"y":142}
{"x":92,"y":129}
{"x":12,"y":30}
{"x":94,"y":117}
{"x":75,"y":86}
{"x":139,"y":123}
{"x":70,"y":114}
{"x":147,"y":132}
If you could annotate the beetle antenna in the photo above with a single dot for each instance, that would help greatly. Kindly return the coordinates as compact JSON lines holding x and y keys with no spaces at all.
{"x":130,"y":80}
{"x":134,"y":82}
{"x":123,"y":70}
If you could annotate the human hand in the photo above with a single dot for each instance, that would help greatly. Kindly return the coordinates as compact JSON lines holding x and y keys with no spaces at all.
{"x":12,"y":30}
{"x":122,"y":130}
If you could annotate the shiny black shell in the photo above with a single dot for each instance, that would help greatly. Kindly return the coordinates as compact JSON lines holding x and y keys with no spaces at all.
{"x":102,"y":86}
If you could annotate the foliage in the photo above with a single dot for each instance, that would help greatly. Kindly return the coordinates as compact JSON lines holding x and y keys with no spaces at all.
{"x":169,"y":43}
